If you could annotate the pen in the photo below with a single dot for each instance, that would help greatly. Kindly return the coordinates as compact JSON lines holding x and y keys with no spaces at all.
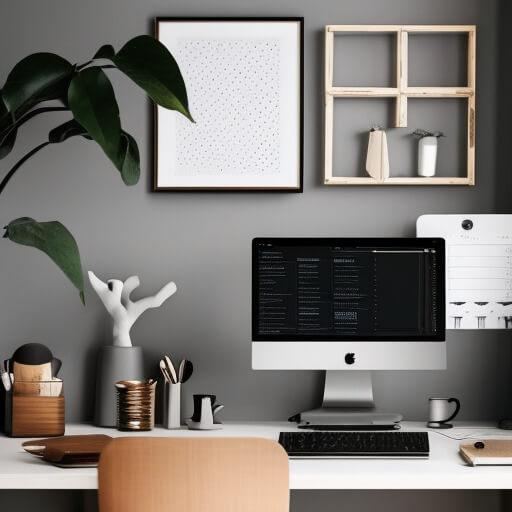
{"x":6,"y":381}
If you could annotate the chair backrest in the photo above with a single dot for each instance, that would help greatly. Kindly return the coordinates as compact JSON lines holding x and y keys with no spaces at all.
{"x":153,"y":474}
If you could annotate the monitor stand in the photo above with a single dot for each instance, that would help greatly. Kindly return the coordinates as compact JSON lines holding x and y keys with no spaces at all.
{"x":348,"y":405}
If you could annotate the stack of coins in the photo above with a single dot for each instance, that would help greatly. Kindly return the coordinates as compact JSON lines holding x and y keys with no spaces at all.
{"x":135,"y":404}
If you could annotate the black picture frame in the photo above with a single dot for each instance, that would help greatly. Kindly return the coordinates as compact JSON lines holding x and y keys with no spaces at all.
{"x":286,"y":179}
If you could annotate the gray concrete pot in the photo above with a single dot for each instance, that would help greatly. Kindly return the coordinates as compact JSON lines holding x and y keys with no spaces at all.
{"x":114,"y":364}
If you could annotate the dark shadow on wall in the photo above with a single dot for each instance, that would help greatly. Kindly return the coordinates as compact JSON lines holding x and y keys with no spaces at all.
{"x":504,"y":104}
{"x":503,"y":157}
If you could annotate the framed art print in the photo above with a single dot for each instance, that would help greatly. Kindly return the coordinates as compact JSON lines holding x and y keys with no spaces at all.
{"x":244,"y":80}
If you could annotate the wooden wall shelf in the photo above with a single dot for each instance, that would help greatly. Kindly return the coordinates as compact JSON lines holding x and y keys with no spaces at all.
{"x":400,"y":92}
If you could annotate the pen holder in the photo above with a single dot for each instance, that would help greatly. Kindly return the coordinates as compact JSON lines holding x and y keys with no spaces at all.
{"x":35,"y":408}
{"x":135,"y":405}
{"x":172,"y":405}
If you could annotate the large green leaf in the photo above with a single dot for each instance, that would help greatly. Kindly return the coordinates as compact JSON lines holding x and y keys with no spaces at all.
{"x":129,"y":159}
{"x":5,"y":117}
{"x":7,"y":130}
{"x":53,"y":239}
{"x":7,"y":142}
{"x":66,"y":130}
{"x":105,"y":52}
{"x":93,"y":103}
{"x":38,"y":77}
{"x":3,"y":108}
{"x":151,"y":66}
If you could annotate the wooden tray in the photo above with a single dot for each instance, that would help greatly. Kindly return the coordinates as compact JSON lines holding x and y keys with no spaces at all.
{"x":69,"y":451}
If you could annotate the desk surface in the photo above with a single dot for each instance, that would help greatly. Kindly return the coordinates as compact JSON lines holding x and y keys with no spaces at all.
{"x":443,"y":470}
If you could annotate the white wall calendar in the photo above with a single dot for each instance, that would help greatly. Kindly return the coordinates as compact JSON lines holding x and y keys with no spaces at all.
{"x":478,"y":268}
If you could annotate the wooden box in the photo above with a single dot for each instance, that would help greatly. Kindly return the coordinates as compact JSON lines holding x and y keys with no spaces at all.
{"x":33,"y":416}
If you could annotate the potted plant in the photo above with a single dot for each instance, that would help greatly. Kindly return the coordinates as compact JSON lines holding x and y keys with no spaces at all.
{"x":427,"y":151}
{"x":45,"y":82}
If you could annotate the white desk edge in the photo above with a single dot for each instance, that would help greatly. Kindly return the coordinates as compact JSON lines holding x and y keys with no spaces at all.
{"x":443,"y":470}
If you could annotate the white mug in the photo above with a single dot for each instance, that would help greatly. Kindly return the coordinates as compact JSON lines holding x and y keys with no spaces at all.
{"x":441,"y":412}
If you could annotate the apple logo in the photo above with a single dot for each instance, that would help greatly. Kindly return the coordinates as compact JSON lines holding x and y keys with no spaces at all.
{"x":350,"y":358}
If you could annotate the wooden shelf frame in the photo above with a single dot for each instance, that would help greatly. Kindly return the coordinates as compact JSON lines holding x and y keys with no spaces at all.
{"x":401,"y":93}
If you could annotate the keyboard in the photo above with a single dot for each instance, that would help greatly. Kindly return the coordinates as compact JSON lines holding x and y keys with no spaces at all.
{"x":355,"y":444}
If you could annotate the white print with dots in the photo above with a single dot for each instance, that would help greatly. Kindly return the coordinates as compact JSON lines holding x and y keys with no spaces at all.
{"x":243,"y":83}
{"x":233,"y":85}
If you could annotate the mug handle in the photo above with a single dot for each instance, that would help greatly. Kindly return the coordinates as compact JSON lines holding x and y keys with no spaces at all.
{"x":457,"y":409}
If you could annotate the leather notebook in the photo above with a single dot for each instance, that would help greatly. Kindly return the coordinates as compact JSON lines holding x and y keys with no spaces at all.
{"x":487,"y":452}
{"x":69,"y":451}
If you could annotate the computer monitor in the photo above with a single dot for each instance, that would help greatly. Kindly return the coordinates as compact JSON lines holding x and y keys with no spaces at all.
{"x":350,"y":304}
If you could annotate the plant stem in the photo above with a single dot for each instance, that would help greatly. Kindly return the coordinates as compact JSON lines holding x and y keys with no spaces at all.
{"x":29,"y":116}
{"x":10,"y":174}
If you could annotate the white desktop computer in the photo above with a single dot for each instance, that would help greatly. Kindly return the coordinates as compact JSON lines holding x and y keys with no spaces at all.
{"x":348,"y":306}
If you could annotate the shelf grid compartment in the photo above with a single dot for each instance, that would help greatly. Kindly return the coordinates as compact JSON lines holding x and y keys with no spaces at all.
{"x":351,"y":139}
{"x":400,"y":92}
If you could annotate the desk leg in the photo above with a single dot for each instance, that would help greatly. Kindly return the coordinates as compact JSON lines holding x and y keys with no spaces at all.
{"x":506,"y":501}
{"x":401,"y":501}
{"x":89,"y":501}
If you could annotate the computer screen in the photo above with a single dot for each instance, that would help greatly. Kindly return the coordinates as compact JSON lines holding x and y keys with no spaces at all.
{"x":337,"y":289}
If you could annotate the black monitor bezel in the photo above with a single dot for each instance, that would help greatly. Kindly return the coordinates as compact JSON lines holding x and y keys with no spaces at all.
{"x":438,"y":243}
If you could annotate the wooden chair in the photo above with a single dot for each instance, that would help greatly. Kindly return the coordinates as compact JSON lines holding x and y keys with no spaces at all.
{"x":193,"y":475}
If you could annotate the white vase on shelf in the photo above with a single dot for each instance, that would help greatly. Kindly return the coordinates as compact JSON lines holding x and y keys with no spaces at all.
{"x":427,"y":156}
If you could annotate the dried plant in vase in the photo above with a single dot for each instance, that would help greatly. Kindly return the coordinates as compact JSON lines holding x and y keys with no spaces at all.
{"x":121,"y":360}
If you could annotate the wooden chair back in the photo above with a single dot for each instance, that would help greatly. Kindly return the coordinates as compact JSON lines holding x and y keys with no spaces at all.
{"x":193,"y":475}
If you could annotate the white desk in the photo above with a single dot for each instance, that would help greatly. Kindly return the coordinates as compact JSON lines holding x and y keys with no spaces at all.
{"x":443,"y":470}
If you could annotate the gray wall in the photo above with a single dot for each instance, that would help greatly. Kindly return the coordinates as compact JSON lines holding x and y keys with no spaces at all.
{"x":202,"y":241}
